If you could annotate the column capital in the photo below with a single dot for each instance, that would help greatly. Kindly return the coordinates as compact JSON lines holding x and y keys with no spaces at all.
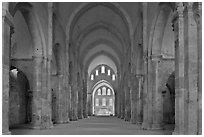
{"x":37,"y":57}
{"x":139,"y":75}
{"x":156,"y":57}
{"x":177,"y":13}
{"x":180,"y":7}
{"x":47,"y":59}
{"x":197,"y":11}
{"x":188,"y":5}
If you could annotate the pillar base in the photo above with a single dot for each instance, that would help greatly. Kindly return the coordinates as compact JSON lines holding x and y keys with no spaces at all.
{"x":42,"y":126}
{"x":157,"y":126}
{"x":74,"y":119}
{"x":175,"y":133}
{"x":199,"y":132}
{"x":6,"y":133}
{"x":122,"y":117}
{"x":80,"y":117}
{"x":133,"y":122}
{"x":61,"y":122}
{"x":146,"y":126}
{"x":126,"y":119}
{"x":139,"y":123}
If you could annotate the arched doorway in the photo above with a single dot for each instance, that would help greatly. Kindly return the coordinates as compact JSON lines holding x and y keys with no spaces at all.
{"x":169,"y":115}
{"x":103,"y":100}
{"x":19,"y":98}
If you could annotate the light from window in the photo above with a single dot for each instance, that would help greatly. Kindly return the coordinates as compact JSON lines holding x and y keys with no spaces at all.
{"x":113,"y":77}
{"x":14,"y":72}
{"x":96,"y":72}
{"x":108,"y":92}
{"x":111,"y":102}
{"x":109,"y":72}
{"x":92,"y":77}
{"x":97,"y":102}
{"x":99,"y":91}
{"x":104,"y":91}
{"x":104,"y":102}
{"x":102,"y":69}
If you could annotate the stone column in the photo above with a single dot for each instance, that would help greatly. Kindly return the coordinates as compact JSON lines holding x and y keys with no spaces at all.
{"x":191,"y":69}
{"x":70,"y":105}
{"x":66,"y":97}
{"x":198,"y":18}
{"x":84,"y":99}
{"x":134,"y":98}
{"x":60,"y":97}
{"x":7,"y":21}
{"x":67,"y":84}
{"x":89,"y":104}
{"x":146,"y":124}
{"x":122,"y":95}
{"x":127,"y":102}
{"x":37,"y":84}
{"x":80,"y":99}
{"x":74,"y":96}
{"x":41,"y":104}
{"x":186,"y":71}
{"x":157,"y":96}
{"x":45,"y":96}
{"x":147,"y":95}
{"x":139,"y":101}
{"x":178,"y":27}
{"x":61,"y":94}
{"x":118,"y":103}
{"x":46,"y":78}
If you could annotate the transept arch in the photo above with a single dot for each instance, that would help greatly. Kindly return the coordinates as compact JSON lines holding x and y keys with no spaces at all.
{"x":94,"y":89}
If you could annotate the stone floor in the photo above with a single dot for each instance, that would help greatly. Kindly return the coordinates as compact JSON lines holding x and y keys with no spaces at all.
{"x":94,"y":126}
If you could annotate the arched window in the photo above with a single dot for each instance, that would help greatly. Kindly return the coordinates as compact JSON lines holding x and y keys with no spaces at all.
{"x":113,"y":77}
{"x":92,"y":77}
{"x":104,"y":91}
{"x":109,"y":72}
{"x":99,"y":91}
{"x":97,"y":102}
{"x":14,"y":72}
{"x":108,"y":92}
{"x":104,"y":102}
{"x":102,"y":69}
{"x":96,"y":72}
{"x":111,"y":102}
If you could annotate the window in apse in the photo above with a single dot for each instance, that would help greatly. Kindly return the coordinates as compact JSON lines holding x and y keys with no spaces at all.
{"x":108,"y":92}
{"x":92,"y":77}
{"x":104,"y":91}
{"x":99,"y":91}
{"x":97,"y":102}
{"x":96,"y":72}
{"x":111,"y":102}
{"x":109,"y":72}
{"x":102,"y":69}
{"x":104,"y":102}
{"x":113,"y":77}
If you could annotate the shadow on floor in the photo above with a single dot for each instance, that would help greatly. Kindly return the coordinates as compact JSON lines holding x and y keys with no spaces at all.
{"x":93,"y":126}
